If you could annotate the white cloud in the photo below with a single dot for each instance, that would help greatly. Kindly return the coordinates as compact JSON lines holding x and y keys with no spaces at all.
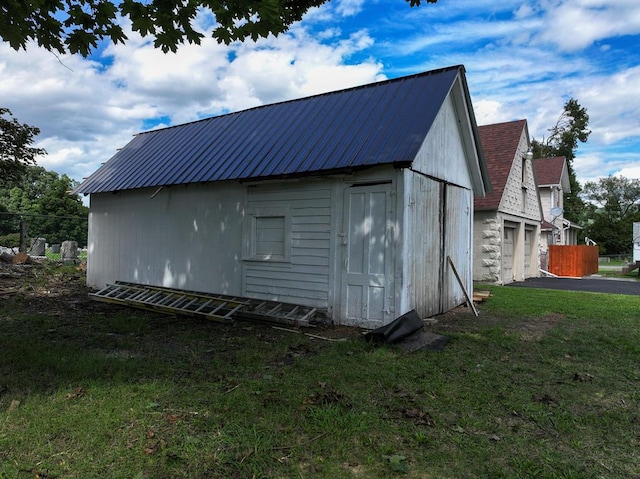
{"x":520,"y":67}
{"x":614,"y":105}
{"x":589,"y":167}
{"x":577,"y":24}
{"x":347,"y":8}
{"x":488,"y":112}
{"x":592,"y":165}
{"x":631,"y":171}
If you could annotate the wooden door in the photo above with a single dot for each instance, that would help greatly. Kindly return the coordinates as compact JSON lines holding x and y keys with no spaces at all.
{"x":507,"y":254}
{"x":367,"y":276}
{"x":528,"y":245}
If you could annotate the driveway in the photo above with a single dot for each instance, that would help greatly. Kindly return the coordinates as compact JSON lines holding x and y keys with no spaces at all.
{"x":594,"y":284}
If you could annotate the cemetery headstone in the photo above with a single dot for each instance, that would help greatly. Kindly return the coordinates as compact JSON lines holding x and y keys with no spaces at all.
{"x":69,"y":250}
{"x":37,"y":247}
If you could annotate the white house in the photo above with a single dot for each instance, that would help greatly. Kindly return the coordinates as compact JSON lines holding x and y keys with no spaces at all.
{"x":349,"y":201}
{"x":552,"y":176}
{"x":507,"y":220}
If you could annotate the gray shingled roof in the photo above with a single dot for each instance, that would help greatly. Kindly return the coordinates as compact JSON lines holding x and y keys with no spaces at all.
{"x":375,"y":124}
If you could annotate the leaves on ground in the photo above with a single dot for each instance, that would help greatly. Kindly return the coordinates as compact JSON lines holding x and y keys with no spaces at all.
{"x":326,"y":396}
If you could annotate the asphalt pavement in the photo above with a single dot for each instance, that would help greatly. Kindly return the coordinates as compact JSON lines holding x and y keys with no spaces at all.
{"x":594,"y":284}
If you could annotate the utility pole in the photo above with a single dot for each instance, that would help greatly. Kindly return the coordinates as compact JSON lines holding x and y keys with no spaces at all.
{"x":23,"y":235}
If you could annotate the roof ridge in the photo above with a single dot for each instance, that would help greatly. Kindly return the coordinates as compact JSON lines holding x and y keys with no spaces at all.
{"x":308,"y":97}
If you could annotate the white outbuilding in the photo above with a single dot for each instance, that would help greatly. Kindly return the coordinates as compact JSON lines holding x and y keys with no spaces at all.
{"x":351,"y":202}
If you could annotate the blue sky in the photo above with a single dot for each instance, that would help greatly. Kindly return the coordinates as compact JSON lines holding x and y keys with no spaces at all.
{"x":523,"y":60}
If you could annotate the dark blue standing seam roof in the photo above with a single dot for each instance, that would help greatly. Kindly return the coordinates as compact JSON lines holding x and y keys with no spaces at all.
{"x":375,"y":124}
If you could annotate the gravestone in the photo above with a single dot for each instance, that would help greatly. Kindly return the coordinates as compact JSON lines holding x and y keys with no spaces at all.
{"x":69,"y":250}
{"x":37,"y":247}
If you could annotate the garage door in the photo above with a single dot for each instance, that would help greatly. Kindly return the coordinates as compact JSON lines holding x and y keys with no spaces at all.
{"x":528,"y":237}
{"x":507,"y":254}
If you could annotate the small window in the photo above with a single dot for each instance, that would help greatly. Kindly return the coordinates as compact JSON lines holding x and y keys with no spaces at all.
{"x":268,"y":235}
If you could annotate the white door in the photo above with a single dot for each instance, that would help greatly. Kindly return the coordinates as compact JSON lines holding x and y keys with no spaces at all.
{"x":367,"y":275}
{"x":458,"y":226}
{"x":528,"y":244}
{"x":507,"y":254}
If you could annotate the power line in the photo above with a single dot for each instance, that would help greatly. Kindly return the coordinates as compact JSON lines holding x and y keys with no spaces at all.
{"x":33,"y":215}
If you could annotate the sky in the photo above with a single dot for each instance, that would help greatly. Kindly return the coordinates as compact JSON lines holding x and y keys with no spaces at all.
{"x":523,"y":60}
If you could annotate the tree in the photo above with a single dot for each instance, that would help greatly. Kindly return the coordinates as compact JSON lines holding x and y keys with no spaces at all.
{"x":16,"y":152}
{"x":42,"y":198}
{"x":614,"y":204}
{"x":7,"y":221}
{"x":76,"y":26}
{"x":570,"y":129}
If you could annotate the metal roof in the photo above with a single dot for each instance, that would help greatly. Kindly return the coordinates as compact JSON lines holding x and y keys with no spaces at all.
{"x":375,"y":124}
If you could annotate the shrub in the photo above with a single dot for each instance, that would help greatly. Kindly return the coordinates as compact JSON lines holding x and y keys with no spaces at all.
{"x":12,"y":240}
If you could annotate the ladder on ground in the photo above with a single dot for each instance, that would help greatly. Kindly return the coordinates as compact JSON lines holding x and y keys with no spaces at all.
{"x":210,"y":306}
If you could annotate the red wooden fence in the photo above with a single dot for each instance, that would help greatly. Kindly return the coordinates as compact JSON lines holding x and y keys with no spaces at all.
{"x":573,"y":260}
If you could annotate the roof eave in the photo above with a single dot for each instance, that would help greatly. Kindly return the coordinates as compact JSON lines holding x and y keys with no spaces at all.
{"x":471,"y":137}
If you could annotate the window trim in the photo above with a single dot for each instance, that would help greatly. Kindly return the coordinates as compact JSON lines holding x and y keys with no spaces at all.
{"x":251,"y":232}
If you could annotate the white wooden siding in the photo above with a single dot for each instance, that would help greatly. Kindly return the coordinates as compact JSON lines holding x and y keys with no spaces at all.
{"x":437,"y":223}
{"x":422,"y":242}
{"x":183,"y":237}
{"x":305,"y":278}
{"x":438,"y":218}
{"x":458,"y":224}
{"x":442,"y":154}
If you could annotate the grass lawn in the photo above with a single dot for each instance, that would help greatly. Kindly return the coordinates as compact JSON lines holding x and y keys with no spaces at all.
{"x":543,"y":384}
{"x":617,"y":273}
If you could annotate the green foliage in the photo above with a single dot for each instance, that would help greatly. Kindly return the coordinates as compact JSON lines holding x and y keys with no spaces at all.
{"x":11,"y":240}
{"x":16,"y":152}
{"x":614,"y":205}
{"x":570,"y":129}
{"x":42,"y":199}
{"x":169,"y":22}
{"x":8,"y":221}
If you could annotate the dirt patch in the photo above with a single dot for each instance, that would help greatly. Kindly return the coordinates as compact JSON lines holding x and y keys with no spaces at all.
{"x":47,"y":288}
{"x":533,"y":329}
{"x":462,"y":320}
{"x":54,"y":290}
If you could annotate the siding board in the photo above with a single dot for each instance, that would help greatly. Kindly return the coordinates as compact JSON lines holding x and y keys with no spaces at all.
{"x":310,"y":220}
{"x":131,"y":239}
{"x":305,"y":279}
{"x":458,"y":225}
{"x":274,"y":277}
{"x":275,"y":292}
{"x":423,"y":248}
